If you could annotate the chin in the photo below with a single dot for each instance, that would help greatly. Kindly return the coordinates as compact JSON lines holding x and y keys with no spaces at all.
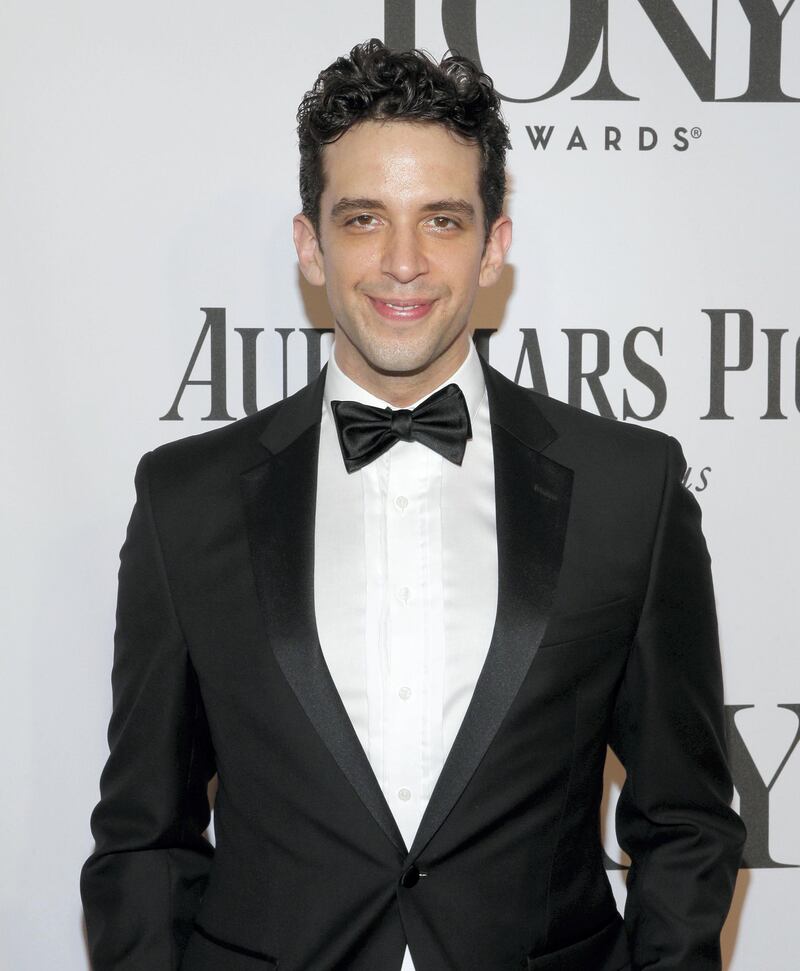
{"x":398,"y":358}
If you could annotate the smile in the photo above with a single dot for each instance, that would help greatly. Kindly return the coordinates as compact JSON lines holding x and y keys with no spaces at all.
{"x":401,"y":309}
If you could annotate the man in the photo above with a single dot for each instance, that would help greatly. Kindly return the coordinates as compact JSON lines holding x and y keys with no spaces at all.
{"x":402,"y":613}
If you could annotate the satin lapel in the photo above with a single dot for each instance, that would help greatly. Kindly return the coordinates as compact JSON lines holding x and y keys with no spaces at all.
{"x":532,"y":494}
{"x":279,"y":502}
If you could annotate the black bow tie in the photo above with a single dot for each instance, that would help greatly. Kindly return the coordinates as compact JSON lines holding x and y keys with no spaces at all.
{"x":441,"y":422}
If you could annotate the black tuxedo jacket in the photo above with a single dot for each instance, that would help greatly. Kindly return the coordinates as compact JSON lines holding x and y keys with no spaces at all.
{"x":605,"y":633}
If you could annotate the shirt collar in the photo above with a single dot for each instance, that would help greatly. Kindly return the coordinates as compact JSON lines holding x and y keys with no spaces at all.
{"x":469,"y":377}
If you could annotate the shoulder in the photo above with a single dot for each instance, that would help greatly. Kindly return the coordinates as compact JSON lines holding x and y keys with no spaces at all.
{"x":614,"y":463}
{"x":193,"y":484}
{"x":211,"y":455}
{"x":222,"y":453}
{"x":602,"y":437}
{"x":576,"y":430}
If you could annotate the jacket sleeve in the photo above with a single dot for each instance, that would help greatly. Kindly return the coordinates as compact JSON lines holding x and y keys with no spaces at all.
{"x":143,"y":883}
{"x":673,"y":816}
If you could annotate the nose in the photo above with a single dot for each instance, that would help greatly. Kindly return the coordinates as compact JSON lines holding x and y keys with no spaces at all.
{"x":403,"y":256}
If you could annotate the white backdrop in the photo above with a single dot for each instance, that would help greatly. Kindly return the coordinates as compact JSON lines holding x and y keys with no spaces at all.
{"x":148,"y":170}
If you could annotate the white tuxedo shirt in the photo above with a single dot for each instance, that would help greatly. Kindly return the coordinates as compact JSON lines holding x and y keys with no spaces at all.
{"x":405,"y":590}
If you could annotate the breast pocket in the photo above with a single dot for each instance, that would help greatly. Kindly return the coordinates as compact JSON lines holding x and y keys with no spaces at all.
{"x":592,"y":622}
{"x":206,"y":952}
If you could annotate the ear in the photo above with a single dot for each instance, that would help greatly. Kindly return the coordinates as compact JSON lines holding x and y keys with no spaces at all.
{"x":309,"y":253}
{"x":494,"y":252}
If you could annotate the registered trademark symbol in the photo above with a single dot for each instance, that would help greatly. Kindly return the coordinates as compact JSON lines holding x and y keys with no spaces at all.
{"x":696,"y":132}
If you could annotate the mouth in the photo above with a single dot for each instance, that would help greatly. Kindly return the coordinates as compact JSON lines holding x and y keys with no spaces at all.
{"x":401,"y":309}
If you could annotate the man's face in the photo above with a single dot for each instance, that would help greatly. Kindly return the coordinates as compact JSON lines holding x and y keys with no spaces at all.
{"x":401,"y":251}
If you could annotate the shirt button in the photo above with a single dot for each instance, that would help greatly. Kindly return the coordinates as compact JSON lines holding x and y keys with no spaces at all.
{"x":401,"y":502}
{"x":403,"y":595}
{"x":405,"y":693}
{"x":404,"y":794}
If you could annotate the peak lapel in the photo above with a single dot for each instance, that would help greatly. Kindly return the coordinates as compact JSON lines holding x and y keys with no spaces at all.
{"x":532,"y":495}
{"x":279,"y":499}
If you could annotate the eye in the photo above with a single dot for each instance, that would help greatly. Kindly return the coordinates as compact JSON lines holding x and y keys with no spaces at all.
{"x":443,"y":222}
{"x":363,"y":220}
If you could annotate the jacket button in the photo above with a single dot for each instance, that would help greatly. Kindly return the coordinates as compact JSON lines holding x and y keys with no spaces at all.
{"x":410,"y":877}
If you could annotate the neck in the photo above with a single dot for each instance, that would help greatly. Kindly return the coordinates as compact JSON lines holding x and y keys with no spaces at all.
{"x":402,"y":388}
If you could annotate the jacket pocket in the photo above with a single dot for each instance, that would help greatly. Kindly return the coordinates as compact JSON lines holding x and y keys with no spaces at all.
{"x":206,"y":952}
{"x":584,"y":624}
{"x":607,"y":950}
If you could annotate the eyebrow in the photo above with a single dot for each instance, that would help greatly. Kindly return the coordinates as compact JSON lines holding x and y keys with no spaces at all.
{"x":460,"y":206}
{"x":349,"y":205}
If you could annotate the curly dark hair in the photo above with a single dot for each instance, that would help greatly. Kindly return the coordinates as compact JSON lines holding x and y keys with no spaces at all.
{"x":375,"y":83}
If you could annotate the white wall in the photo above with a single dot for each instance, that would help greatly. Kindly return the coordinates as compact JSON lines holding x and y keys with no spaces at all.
{"x":148,"y":169}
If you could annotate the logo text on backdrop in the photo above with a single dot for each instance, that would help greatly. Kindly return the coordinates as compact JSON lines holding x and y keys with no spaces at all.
{"x":591,"y":26}
{"x":729,"y":344}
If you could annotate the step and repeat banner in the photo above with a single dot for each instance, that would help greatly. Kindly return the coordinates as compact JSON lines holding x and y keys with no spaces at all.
{"x":150,"y":291}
